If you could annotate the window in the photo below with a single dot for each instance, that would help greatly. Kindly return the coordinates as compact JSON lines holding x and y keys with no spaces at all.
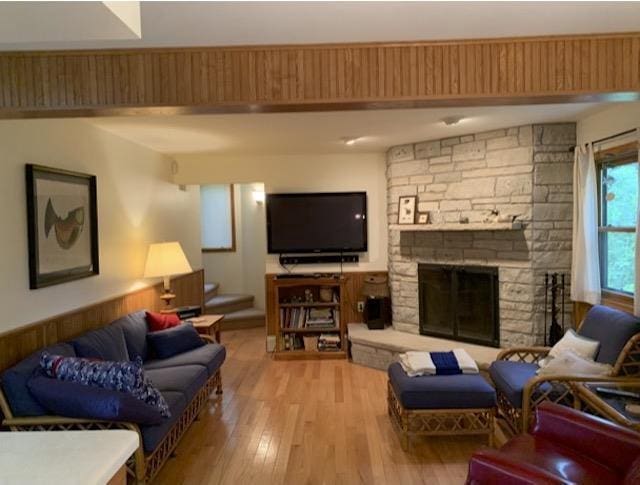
{"x":618,"y":202}
{"x":217,"y":215}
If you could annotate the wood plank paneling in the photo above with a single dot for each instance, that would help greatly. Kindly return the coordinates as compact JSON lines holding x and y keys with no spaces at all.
{"x":17,"y":344}
{"x":271,"y":78}
{"x":352,"y":294}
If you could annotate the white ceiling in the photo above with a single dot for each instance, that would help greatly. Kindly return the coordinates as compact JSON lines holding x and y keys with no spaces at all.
{"x":23,"y":23}
{"x":229,"y":23}
{"x":322,"y":132}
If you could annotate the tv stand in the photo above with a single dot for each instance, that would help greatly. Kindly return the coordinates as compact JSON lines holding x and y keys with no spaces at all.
{"x":319,"y":259}
{"x":294,"y":301}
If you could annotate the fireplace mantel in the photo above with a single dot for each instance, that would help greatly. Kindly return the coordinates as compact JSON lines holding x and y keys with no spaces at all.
{"x":456,"y":226}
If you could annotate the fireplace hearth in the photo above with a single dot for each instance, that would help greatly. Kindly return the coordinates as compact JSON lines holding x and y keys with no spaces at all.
{"x":459,"y":303}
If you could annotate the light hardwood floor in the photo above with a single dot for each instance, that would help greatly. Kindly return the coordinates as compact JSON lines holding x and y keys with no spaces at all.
{"x":305,"y":422}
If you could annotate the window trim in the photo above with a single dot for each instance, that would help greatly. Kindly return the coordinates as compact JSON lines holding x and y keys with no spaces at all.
{"x":232,"y":248}
{"x":613,"y":156}
{"x":620,"y":301}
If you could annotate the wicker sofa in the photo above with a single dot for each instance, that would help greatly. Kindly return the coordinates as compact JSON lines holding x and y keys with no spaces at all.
{"x":186,"y":381}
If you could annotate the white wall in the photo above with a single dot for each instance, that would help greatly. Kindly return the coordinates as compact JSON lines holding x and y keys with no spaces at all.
{"x":254,"y":242}
{"x":242,"y":271}
{"x":137,"y":205}
{"x":305,"y":173}
{"x":610,"y":121}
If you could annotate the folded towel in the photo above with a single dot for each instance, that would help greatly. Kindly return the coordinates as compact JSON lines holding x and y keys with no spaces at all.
{"x":446,"y":363}
{"x":466,"y":362}
{"x":458,"y":361}
{"x":417,"y":363}
{"x":407,"y":368}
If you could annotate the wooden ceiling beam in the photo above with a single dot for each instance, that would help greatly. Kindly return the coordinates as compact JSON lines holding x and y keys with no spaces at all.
{"x":320,"y":77}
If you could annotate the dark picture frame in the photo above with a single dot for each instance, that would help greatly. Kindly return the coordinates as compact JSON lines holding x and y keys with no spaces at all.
{"x":409,"y":204}
{"x":61,"y":246}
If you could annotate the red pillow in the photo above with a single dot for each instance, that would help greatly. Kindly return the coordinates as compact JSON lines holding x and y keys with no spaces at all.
{"x":162,"y":321}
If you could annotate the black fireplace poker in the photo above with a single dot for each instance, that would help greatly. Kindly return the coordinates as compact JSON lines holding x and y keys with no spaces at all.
{"x":554,"y":286}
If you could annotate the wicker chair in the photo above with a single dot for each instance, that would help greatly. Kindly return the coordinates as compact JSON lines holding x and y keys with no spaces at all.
{"x":520,"y":390}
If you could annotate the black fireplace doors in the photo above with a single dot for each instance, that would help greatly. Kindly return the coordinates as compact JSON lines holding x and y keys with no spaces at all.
{"x":459,"y":303}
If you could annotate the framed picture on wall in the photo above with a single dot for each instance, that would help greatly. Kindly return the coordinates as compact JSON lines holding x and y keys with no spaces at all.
{"x":407,"y":209}
{"x":62,"y":222}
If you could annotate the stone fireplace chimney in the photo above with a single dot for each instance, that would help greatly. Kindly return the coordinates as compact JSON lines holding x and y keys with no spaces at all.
{"x":523,"y":171}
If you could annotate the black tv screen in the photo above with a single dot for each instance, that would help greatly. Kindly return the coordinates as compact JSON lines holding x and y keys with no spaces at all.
{"x":317,"y":222}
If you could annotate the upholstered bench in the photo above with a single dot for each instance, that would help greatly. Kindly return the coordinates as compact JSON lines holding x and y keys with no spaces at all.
{"x":440,"y":405}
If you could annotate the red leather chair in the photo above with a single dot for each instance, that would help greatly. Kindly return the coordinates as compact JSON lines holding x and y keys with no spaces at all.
{"x":563,"y":446}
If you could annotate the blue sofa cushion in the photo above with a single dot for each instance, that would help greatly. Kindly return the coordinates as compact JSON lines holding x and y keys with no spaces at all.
{"x":134,"y":328}
{"x":75,"y":400}
{"x":441,"y":392}
{"x":175,"y":340}
{"x":187,"y":379}
{"x":612,"y":328}
{"x":210,"y":356}
{"x":126,"y":377}
{"x":15,"y":379}
{"x":510,"y":378}
{"x":105,"y":343}
{"x":153,"y":435}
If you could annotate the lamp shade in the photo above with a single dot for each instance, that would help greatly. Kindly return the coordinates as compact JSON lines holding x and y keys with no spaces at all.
{"x":166,"y":259}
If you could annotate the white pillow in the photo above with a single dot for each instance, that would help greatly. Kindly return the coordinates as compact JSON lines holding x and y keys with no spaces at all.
{"x":584,"y":347}
{"x":570,"y":363}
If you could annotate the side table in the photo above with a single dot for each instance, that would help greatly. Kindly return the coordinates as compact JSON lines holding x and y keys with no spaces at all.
{"x":608,"y":406}
{"x":208,"y":325}
{"x":66,"y":457}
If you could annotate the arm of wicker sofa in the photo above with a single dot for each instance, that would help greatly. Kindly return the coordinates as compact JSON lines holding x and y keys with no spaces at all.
{"x":557,"y":389}
{"x":208,"y":339}
{"x":524,"y":354}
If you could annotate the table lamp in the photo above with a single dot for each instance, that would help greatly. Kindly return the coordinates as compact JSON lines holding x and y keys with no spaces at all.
{"x":165,"y":260}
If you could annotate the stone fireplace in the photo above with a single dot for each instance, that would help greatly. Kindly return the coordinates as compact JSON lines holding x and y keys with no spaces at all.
{"x":524,"y":171}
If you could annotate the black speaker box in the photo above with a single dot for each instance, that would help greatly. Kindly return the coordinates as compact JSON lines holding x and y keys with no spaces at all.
{"x":377,"y":312}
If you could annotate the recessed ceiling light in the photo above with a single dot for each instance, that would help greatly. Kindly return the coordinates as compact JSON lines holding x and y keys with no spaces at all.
{"x":452,"y":120}
{"x":350,"y":140}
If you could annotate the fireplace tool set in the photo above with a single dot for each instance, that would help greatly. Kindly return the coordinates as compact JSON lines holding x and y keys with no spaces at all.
{"x":553,"y":287}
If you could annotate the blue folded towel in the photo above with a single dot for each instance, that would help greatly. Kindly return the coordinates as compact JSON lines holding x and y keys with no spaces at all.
{"x":420,"y":363}
{"x":446,"y":363}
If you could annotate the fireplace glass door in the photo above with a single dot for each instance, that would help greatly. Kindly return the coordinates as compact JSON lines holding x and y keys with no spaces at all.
{"x":459,"y":303}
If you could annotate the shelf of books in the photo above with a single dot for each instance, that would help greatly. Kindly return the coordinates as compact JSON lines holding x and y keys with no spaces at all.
{"x":309,"y":323}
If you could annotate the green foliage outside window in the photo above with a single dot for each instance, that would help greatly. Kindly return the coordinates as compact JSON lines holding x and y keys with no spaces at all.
{"x":619,"y":202}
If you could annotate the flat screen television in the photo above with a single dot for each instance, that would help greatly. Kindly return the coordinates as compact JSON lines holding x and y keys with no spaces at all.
{"x":329,"y":222}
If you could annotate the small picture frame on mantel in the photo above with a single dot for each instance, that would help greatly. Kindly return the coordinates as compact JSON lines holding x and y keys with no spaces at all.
{"x":407,"y":209}
{"x":423,"y":218}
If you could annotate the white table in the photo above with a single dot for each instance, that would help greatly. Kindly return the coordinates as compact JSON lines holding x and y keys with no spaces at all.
{"x":64,"y":457}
